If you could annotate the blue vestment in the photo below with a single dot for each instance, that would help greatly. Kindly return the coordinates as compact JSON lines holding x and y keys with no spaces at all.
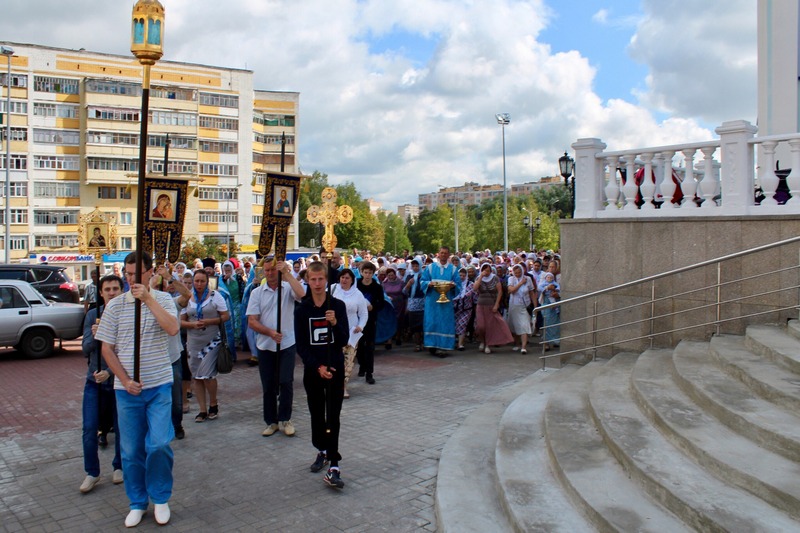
{"x":440,"y":322}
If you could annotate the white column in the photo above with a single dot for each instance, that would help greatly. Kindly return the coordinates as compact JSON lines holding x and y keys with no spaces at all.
{"x":648,"y":187}
{"x":589,"y":177}
{"x":793,"y":179}
{"x":708,"y":185}
{"x":612,"y":187}
{"x":667,"y":185}
{"x":629,"y":189}
{"x":768,"y":179}
{"x":689,"y":185}
{"x":737,"y":172}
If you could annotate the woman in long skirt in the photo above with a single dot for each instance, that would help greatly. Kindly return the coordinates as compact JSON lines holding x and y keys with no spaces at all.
{"x":549,"y":292}
{"x":490,"y":327}
{"x":463,"y":304}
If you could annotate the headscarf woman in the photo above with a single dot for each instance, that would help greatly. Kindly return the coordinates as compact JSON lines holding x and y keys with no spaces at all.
{"x":490,"y":327}
{"x":357,"y":315}
{"x":550,"y":292}
{"x":463,"y":304}
{"x":393,"y":287}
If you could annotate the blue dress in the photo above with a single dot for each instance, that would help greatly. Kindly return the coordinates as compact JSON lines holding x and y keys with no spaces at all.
{"x":440,"y":323}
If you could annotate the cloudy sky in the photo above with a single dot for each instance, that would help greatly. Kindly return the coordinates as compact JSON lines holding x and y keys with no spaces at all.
{"x":400,"y":96}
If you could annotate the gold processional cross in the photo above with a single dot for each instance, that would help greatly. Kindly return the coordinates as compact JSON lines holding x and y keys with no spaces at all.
{"x":329,"y":215}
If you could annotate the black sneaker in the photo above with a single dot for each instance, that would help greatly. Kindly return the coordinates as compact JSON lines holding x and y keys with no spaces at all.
{"x":362,"y":373}
{"x":332,"y":479}
{"x":180,"y":433}
{"x":102,"y":440}
{"x":319,"y":463}
{"x":370,"y":379}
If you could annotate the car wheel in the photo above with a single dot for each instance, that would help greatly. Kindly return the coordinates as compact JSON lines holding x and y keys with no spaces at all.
{"x":37,"y":344}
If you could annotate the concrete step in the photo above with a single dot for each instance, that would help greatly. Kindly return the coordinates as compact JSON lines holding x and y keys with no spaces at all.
{"x":725,"y":453}
{"x":701,"y":500}
{"x":467,"y":495}
{"x":586,"y":468}
{"x":776,"y":344}
{"x":733,"y":403}
{"x":531,"y":494}
{"x":793,"y":328}
{"x":769,"y":380}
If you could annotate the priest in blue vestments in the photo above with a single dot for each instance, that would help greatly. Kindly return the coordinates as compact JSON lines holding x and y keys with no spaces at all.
{"x":439,"y":321}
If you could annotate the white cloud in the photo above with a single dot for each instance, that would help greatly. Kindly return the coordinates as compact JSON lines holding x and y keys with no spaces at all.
{"x":601,"y":17}
{"x":397,"y":128}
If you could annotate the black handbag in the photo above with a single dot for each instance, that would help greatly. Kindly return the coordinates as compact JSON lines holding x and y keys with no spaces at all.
{"x":224,"y":356}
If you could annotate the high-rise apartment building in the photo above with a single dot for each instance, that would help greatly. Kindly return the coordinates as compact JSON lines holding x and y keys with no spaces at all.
{"x":75,"y":122}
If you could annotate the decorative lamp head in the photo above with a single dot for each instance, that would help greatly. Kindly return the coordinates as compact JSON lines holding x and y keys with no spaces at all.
{"x":147,"y":31}
{"x":566,"y":165}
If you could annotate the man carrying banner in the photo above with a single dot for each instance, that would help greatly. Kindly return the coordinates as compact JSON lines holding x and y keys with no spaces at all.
{"x":262,"y":317}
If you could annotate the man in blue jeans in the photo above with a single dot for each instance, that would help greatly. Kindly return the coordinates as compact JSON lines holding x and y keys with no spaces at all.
{"x":144,"y":406}
{"x":98,"y":390}
{"x":262,"y":317}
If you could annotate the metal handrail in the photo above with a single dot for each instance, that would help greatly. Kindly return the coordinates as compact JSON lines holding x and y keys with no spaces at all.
{"x":652,"y":318}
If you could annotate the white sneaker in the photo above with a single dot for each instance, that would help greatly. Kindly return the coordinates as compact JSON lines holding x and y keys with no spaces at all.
{"x":162,"y":513}
{"x":271,"y":429}
{"x":487,"y":350}
{"x":134,"y":517}
{"x":515,"y":349}
{"x":287,"y":428}
{"x":88,"y":484}
{"x":117,"y":477}
{"x":480,"y":347}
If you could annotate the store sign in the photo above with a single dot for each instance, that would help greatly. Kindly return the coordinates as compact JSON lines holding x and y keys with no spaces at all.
{"x":65,"y":258}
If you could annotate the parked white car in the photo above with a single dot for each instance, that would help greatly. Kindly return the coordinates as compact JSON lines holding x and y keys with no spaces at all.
{"x":30,"y":323}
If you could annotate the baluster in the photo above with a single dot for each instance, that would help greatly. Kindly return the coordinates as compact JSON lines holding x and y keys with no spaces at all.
{"x":667,"y":185}
{"x":629,"y":189}
{"x":793,"y":179}
{"x":648,"y":187}
{"x":708,"y":185}
{"x":612,"y":188}
{"x":689,"y":185}
{"x":768,"y":179}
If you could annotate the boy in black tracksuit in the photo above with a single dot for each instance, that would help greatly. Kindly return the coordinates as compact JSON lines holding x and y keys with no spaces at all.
{"x":323,"y":360}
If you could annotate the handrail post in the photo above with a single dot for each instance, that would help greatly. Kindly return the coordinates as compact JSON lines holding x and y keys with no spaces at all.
{"x":594,"y":332}
{"x":719,"y":295}
{"x":652,"y":310}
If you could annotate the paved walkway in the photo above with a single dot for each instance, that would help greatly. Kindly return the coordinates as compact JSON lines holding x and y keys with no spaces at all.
{"x":230,"y":478}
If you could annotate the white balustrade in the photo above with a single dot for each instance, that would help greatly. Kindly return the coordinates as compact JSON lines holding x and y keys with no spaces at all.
{"x":793,"y":179}
{"x":612,"y":188}
{"x":708,"y":185}
{"x":630,"y":189}
{"x":667,"y":185}
{"x":768,"y":179}
{"x":689,"y":185}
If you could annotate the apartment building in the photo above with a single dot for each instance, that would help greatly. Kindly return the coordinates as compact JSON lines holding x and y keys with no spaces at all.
{"x":75,"y":128}
{"x":473,"y":194}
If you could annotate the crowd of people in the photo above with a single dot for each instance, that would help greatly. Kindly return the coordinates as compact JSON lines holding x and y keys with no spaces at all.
{"x":330,"y":315}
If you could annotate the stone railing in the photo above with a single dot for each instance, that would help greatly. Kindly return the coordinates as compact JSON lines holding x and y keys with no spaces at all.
{"x":712,"y":178}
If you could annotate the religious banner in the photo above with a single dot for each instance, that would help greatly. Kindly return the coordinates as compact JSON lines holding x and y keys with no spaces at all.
{"x":97,"y":233}
{"x":164,"y":212}
{"x":329,"y":214}
{"x":280,"y":202}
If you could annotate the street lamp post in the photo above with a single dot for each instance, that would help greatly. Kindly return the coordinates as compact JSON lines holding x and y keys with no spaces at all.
{"x":455,"y":214}
{"x":566,"y":165}
{"x":8,"y":52}
{"x":147,"y":38}
{"x":503,"y":119}
{"x":228,"y":217}
{"x":532,"y":227}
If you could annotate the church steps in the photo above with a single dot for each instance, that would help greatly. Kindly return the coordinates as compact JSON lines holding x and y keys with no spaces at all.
{"x":733,"y":403}
{"x":590,"y":474}
{"x":776,"y":344}
{"x":717,"y":448}
{"x":701,"y":500}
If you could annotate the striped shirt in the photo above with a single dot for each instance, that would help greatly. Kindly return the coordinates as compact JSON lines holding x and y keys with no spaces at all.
{"x":116,"y":327}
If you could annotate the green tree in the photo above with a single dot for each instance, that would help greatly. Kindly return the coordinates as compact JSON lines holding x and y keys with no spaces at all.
{"x":395,"y":232}
{"x":554,"y":199}
{"x":364,"y":231}
{"x":310,"y":194}
{"x":432,"y":229}
{"x":193,"y":249}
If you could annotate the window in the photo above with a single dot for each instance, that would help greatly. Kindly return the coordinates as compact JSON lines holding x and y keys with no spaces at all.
{"x":174,"y":93}
{"x":55,"y":110}
{"x":125,"y":218}
{"x":56,"y":189}
{"x":113,"y":113}
{"x":113,"y":87}
{"x":111,"y":137}
{"x":106,"y":193}
{"x":18,"y":216}
{"x":19,"y":107}
{"x":17,"y":80}
{"x":17,"y":134}
{"x":215,"y":169}
{"x":16,"y":243}
{"x":46,"y":84}
{"x":258,"y":199}
{"x":102,"y":163}
{"x":51,"y":217}
{"x":221,"y":100}
{"x":18,"y":162}
{"x":17,"y":189}
{"x":42,"y":136}
{"x":218,"y":217}
{"x":57,"y":162}
{"x":125,"y":193}
{"x":180,"y":142}
{"x":272,"y":138}
{"x":219,"y":147}
{"x":175,"y":167}
{"x":219,"y":123}
{"x":173,"y":118}
{"x":260,"y":178}
{"x":126,"y":243}
{"x":58,"y":240}
{"x":257,"y":220}
{"x":219,"y":193}
{"x":273,"y":120}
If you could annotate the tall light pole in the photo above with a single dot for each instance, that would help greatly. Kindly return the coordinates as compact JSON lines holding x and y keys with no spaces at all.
{"x":455,"y":214}
{"x":503,"y":119}
{"x":566,"y":165}
{"x":8,"y":52}
{"x":147,"y":44}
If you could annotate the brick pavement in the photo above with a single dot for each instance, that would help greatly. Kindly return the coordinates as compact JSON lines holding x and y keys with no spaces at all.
{"x":230,"y":478}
